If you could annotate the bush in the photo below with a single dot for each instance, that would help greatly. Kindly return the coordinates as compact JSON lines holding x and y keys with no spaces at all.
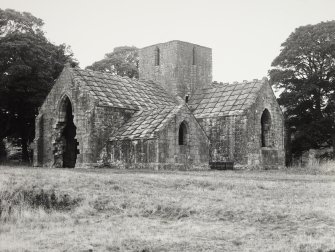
{"x":19,"y":198}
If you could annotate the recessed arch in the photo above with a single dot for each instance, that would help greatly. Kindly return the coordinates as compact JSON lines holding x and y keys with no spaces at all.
{"x":183,"y":134}
{"x":64,"y":101}
{"x":65,"y":144}
{"x":266,"y":128}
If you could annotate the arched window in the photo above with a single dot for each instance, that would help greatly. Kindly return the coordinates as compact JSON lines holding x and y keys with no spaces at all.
{"x":193,"y":56}
{"x":266,"y":128}
{"x":64,"y":105}
{"x":182,"y":134}
{"x":157,"y":56}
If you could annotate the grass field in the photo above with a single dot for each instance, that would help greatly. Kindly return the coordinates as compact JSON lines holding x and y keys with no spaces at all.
{"x":116,"y":210}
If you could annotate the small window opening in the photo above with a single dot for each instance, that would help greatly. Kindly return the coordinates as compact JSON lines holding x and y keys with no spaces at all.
{"x":266,"y":128}
{"x":193,"y":56}
{"x":157,"y":56}
{"x":182,"y":134}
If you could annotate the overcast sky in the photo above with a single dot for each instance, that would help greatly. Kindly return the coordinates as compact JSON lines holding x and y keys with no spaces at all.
{"x":245,"y":35}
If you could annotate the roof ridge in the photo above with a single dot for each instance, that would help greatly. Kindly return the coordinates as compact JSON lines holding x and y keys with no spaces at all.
{"x":240,"y":82}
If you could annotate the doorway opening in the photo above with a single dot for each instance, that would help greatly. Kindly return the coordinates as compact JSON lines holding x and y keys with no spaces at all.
{"x":65,"y":145}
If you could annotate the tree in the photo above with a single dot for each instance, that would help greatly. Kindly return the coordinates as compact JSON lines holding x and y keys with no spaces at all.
{"x":29,"y":65}
{"x":305,"y":71}
{"x":122,"y":61}
{"x":23,"y":22}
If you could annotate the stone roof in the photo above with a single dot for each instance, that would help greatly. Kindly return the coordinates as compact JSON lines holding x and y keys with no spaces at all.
{"x":145,"y":124}
{"x":156,"y":106}
{"x":224,"y":99}
{"x":123,"y":92}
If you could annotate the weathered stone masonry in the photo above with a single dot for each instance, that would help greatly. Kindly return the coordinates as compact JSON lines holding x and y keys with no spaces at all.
{"x":231,"y":115}
{"x":101,"y":106}
{"x":183,"y":67}
{"x":159,"y":145}
{"x":93,"y":123}
{"x":174,"y":117}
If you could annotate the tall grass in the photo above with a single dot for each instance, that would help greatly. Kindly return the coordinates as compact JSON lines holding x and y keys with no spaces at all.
{"x":315,"y":167}
{"x":327,"y":167}
{"x":120,"y":210}
{"x":14,"y":199}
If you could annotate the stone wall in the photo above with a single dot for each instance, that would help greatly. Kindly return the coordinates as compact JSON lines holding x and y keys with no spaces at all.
{"x":128,"y":154}
{"x":106,"y":120}
{"x":183,"y":67}
{"x":228,"y":138}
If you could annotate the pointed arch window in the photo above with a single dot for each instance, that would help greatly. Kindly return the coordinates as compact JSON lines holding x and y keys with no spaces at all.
{"x":193,"y":57}
{"x":157,"y":56}
{"x":266,"y":128}
{"x":182,"y":134}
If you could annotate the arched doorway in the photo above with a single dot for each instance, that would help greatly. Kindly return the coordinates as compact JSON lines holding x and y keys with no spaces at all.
{"x":65,"y":151}
{"x":266,"y":128}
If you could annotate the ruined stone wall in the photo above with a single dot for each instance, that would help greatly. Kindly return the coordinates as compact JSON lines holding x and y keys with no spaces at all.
{"x":272,"y":156}
{"x":128,"y":154}
{"x":93,"y":123}
{"x":227,"y":136}
{"x":177,"y":71}
{"x":166,"y":72}
{"x":193,"y":73}
{"x":238,"y":137}
{"x":194,"y":154}
{"x":105,"y":121}
{"x":164,"y":152}
{"x":46,"y":121}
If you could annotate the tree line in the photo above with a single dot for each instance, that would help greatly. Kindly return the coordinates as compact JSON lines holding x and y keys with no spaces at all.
{"x":304,"y":71}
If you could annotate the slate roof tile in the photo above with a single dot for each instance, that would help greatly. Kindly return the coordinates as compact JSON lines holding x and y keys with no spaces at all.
{"x":224,"y":99}
{"x":145,"y":123}
{"x":123,"y":92}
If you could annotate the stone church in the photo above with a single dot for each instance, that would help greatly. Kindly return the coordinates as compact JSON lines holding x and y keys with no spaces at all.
{"x":173,"y":117}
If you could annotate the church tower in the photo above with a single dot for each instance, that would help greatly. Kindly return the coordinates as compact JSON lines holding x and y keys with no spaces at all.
{"x":180,"y":67}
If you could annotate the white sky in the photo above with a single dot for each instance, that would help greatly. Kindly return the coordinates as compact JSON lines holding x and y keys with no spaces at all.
{"x":245,"y":35}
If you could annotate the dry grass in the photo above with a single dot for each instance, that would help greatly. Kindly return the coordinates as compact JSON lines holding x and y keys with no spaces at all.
{"x":113,"y":210}
{"x":316,"y":167}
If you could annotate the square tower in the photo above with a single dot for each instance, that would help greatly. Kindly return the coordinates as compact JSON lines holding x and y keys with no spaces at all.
{"x":180,"y":67}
